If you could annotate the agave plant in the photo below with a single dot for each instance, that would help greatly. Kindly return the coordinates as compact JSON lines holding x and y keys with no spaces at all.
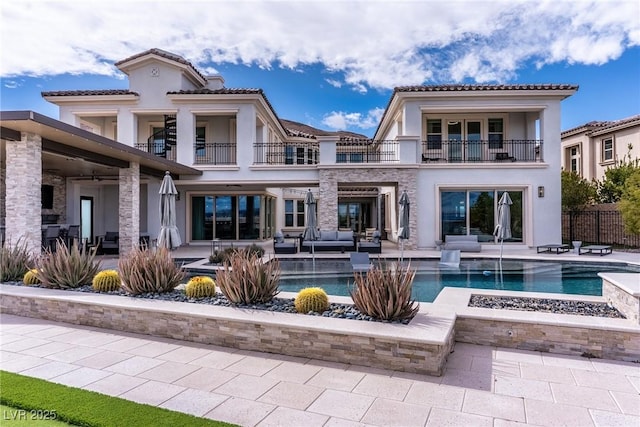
{"x":385,"y":293}
{"x":67,"y":267}
{"x":15,"y":260}
{"x":246,"y":279}
{"x":145,"y":271}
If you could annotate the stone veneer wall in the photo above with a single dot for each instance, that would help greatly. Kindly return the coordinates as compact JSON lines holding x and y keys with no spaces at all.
{"x":585,"y":341}
{"x":3,"y":187}
{"x":626,"y":303}
{"x":129,"y":208}
{"x":404,"y":178}
{"x":59,"y":196}
{"x":22,"y":190}
{"x":280,"y":338}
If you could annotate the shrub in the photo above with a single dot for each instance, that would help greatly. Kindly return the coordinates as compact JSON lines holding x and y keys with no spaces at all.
{"x":106,"y":281}
{"x":31,"y":277}
{"x":67,"y":268}
{"x":15,"y":261}
{"x":145,"y":271}
{"x":200,"y":287}
{"x":246,"y":279}
{"x":311,"y":299}
{"x":219,"y":257}
{"x":255,"y":249}
{"x":385,"y":294}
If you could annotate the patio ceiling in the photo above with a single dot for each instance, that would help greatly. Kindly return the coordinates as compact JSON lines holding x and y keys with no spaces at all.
{"x":73,"y":152}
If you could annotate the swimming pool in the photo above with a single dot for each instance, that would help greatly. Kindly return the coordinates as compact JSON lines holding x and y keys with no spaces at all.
{"x":334,"y":276}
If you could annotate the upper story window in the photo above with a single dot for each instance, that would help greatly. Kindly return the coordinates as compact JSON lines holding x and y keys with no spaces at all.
{"x":574,"y":159}
{"x":293,"y":213}
{"x":434,"y":134}
{"x":495,"y":133}
{"x":200,"y":140}
{"x":607,"y":150}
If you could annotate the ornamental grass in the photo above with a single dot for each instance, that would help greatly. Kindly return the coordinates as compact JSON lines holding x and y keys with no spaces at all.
{"x":15,"y":260}
{"x":67,"y":268}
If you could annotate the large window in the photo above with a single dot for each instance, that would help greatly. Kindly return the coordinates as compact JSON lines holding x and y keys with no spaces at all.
{"x":607,"y":149}
{"x":294,"y":213}
{"x":574,"y":159}
{"x":475,"y":212}
{"x":236,"y":217}
{"x":200,"y":141}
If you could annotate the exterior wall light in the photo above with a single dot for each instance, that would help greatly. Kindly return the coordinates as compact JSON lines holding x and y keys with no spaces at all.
{"x":541,"y":191}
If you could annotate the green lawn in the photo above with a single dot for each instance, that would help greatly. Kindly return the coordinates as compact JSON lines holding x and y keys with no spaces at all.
{"x":43,"y":399}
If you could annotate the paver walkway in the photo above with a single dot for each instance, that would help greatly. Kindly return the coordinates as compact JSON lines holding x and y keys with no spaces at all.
{"x":482,"y":386}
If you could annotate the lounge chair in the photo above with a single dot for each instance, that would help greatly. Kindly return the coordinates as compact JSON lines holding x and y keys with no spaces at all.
{"x":555,"y":247}
{"x":592,"y":249}
{"x":360,"y":262}
{"x":280,"y":246}
{"x":109,"y":243}
{"x":450,"y":258}
{"x":374,"y":246}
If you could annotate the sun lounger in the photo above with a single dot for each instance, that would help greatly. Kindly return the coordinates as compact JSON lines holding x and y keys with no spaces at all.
{"x":592,"y":249}
{"x":360,"y":262}
{"x":557,"y":248}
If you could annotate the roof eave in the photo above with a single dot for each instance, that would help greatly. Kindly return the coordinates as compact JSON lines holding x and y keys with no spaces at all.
{"x":61,"y":99}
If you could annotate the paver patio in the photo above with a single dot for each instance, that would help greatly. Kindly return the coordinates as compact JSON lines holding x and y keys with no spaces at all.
{"x":481,"y":385}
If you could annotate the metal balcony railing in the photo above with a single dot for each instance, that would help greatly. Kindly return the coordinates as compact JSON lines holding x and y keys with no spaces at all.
{"x":367,"y":151}
{"x":159,"y":148}
{"x":482,"y":151}
{"x":214,"y":153}
{"x":279,"y":153}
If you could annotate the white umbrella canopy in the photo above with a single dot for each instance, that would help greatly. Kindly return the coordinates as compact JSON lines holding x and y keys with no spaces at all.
{"x":403,"y":220}
{"x":503,"y":228}
{"x":169,"y":236}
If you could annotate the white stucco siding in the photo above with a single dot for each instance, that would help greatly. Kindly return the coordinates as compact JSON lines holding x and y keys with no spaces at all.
{"x":541,"y":216}
{"x":153,"y":88}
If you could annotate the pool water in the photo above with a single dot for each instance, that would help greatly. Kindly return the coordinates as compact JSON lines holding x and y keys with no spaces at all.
{"x":335,"y":276}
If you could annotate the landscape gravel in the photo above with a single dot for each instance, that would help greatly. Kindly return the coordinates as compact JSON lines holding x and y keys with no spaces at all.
{"x":580,"y":308}
{"x":347,"y":311}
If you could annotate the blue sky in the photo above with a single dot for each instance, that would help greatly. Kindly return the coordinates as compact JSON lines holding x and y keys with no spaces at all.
{"x":332,"y":65}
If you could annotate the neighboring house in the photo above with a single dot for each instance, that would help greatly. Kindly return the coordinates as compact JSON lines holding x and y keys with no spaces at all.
{"x":245,"y":171}
{"x":595,"y":146}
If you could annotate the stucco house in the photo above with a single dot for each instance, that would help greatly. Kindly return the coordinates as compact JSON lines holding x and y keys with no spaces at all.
{"x":242,"y":172}
{"x":593,"y":147}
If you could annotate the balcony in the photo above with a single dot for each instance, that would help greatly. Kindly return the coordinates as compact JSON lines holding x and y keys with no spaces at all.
{"x":278,"y":153}
{"x":482,"y":151}
{"x":367,"y":151}
{"x":214,"y":153}
{"x":159,"y":148}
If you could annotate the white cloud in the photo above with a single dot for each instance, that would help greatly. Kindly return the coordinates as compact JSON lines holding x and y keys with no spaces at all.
{"x":11,"y":84}
{"x":340,"y":120}
{"x":375,"y":44}
{"x":334,"y":83}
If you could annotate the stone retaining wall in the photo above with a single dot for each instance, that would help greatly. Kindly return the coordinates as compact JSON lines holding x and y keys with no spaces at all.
{"x":626,"y":303}
{"x":280,"y":337}
{"x":580,"y":341}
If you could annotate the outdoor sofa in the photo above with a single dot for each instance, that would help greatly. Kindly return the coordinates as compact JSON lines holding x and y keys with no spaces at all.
{"x":463,"y":243}
{"x":331,"y":240}
{"x":281,"y":246}
{"x":374,"y":246}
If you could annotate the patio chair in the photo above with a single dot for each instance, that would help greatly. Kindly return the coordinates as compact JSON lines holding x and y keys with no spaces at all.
{"x":280,"y":246}
{"x":108,"y":244}
{"x":73,"y":235}
{"x":360,"y":262}
{"x":51,"y":235}
{"x":374,"y":246}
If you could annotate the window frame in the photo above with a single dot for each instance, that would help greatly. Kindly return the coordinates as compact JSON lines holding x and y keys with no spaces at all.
{"x":606,"y":150}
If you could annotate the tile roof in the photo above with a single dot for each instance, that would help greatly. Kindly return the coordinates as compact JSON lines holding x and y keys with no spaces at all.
{"x":469,"y":88}
{"x":601,"y":126}
{"x":164,"y":54}
{"x":98,"y":92}
{"x":306,"y":131}
{"x":221,"y":91}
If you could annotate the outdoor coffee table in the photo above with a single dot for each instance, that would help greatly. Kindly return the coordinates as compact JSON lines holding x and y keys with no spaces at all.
{"x":592,"y":249}
{"x":557,"y":248}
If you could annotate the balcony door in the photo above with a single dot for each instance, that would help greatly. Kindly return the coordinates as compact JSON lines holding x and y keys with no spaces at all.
{"x":464,"y":135}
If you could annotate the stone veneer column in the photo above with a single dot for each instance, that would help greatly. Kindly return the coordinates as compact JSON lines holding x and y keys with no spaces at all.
{"x":23,"y":191}
{"x":129,"y":208}
{"x":328,"y":203}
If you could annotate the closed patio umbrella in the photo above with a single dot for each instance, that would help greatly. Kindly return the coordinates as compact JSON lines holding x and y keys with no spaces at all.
{"x":403,"y":221}
{"x":503,"y":228}
{"x":169,"y":236}
{"x":310,"y":231}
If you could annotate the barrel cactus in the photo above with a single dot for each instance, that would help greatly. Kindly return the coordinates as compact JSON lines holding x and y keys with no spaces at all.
{"x":106,"y":281}
{"x":200,"y":287}
{"x":311,"y":299}
{"x":31,"y":277}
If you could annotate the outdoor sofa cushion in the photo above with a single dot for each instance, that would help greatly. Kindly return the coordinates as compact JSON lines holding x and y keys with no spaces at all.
{"x":463,"y":243}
